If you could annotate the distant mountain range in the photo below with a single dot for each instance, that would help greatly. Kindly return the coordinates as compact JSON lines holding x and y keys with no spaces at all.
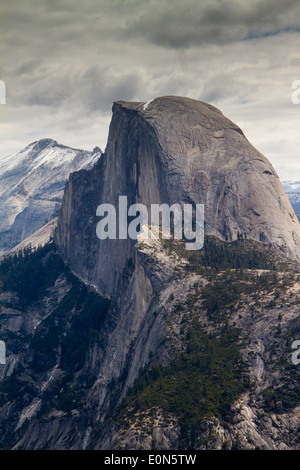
{"x":292,"y":189}
{"x":32,"y":182}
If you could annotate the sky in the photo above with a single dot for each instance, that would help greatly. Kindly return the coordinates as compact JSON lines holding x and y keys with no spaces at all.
{"x":65,"y":62}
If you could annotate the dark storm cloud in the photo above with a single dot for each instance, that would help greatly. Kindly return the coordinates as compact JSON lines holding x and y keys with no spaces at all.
{"x":228,"y":88}
{"x":99,"y":88}
{"x":180,"y":24}
{"x":59,"y":52}
{"x":43,"y":25}
{"x":65,"y":62}
{"x":65,"y":53}
{"x":93,"y":90}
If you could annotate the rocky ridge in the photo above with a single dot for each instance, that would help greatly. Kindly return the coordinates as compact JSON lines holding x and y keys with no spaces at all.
{"x":32,"y":183}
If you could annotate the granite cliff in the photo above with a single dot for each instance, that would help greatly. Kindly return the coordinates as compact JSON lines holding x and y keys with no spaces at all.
{"x":174,"y":150}
{"x":123,"y":344}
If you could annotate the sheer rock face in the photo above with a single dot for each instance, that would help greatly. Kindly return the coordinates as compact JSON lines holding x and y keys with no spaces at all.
{"x":174,"y":150}
{"x":153,"y":155}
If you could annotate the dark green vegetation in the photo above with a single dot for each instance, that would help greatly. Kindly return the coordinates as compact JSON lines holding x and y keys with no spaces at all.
{"x":196,"y":383}
{"x":281,"y":399}
{"x":232,"y":272}
{"x":205,"y":374}
{"x":227,"y":288}
{"x":62,"y":338}
{"x":30,"y":272}
{"x":201,"y":381}
{"x":82,"y":314}
{"x":219,"y":255}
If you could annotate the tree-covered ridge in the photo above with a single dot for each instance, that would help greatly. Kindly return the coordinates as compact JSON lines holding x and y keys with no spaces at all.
{"x":203,"y":372}
{"x":236,"y":274}
{"x":81,"y":313}
{"x":61,"y":339}
{"x":201,"y":381}
{"x":30,"y":272}
{"x":218,"y":254}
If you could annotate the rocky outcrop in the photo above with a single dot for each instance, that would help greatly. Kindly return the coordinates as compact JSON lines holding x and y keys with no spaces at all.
{"x":174,"y":150}
{"x":38,"y":238}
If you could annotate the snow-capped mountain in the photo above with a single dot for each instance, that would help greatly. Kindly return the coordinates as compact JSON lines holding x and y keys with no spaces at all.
{"x":292,"y":189}
{"x":291,"y":186}
{"x":32,"y":182}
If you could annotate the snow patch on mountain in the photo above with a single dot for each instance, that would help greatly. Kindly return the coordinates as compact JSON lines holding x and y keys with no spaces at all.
{"x":147,"y":104}
{"x":291,"y":186}
{"x":32,"y":182}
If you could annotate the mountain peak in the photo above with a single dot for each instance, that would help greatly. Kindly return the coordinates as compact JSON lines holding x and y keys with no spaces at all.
{"x":44,"y":143}
{"x":35,"y":177}
{"x":170,"y":104}
{"x":175,"y":150}
{"x":181,"y":119}
{"x":96,"y":150}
